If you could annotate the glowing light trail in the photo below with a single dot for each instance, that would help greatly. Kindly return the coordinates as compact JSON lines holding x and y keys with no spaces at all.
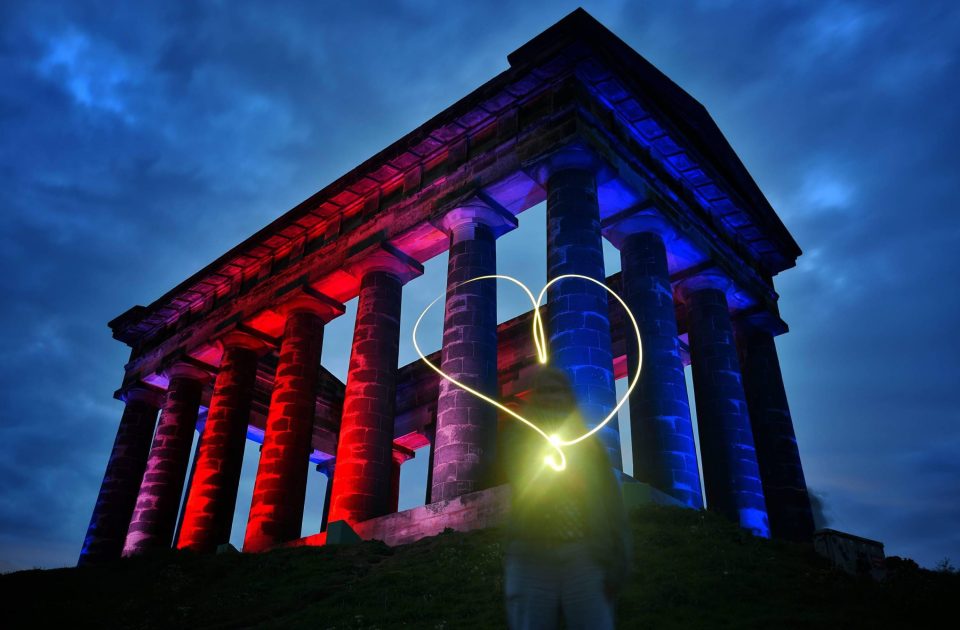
{"x":540,"y":343}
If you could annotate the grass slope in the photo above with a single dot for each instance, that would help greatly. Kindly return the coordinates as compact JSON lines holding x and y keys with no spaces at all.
{"x":692,"y":570}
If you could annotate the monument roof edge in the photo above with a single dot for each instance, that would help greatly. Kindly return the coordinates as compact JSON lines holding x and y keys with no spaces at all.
{"x":422,"y":131}
{"x":691,"y":116}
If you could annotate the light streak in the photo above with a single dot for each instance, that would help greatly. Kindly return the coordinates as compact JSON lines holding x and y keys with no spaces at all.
{"x":540,"y":343}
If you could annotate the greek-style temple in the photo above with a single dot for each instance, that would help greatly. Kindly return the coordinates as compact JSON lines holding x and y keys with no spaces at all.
{"x":618,"y":152}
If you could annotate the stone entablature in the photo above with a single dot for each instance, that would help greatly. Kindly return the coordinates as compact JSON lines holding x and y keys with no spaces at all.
{"x":590,"y":88}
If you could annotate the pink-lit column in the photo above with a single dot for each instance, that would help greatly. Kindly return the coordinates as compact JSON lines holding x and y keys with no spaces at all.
{"x":464,"y":445}
{"x":121,"y":481}
{"x":361,"y":485}
{"x":158,"y":500}
{"x":401,"y":454}
{"x":276,"y":512}
{"x":212,"y":496}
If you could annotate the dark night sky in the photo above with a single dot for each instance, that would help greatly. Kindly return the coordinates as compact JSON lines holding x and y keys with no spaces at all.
{"x":138,"y":144}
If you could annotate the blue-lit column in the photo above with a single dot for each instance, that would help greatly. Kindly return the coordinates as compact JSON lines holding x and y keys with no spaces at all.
{"x":730,"y":472}
{"x":784,"y":486}
{"x":578,"y":320}
{"x":664,"y":453}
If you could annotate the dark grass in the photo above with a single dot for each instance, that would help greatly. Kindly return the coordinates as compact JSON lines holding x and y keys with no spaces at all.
{"x":692,"y":570}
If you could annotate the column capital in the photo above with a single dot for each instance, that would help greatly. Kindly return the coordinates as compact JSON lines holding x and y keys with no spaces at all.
{"x":645,"y":217}
{"x":386,"y":258}
{"x":183,"y":369}
{"x":240,"y":339}
{"x":306,"y":299}
{"x":477,"y":211}
{"x":760,"y":320}
{"x":402,"y":454}
{"x":142,"y":393}
{"x":572,"y":157}
{"x":709,"y":279}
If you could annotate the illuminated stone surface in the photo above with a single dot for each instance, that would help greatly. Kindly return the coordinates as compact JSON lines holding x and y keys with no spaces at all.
{"x":361,"y":485}
{"x":158,"y":501}
{"x":730,"y":470}
{"x":784,"y":486}
{"x":664,"y":453}
{"x":466,"y":431}
{"x":121,"y":482}
{"x":578,"y":320}
{"x":208,"y":513}
{"x":276,"y":512}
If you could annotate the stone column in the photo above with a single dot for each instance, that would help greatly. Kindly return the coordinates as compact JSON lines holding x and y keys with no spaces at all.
{"x":189,"y":483}
{"x":158,"y":501}
{"x":212,"y":497}
{"x":578,"y":321}
{"x":121,"y":481}
{"x":464,"y":446}
{"x":664,"y":452}
{"x":361,"y":487}
{"x":327,"y":469}
{"x":279,"y":492}
{"x":400,"y":455}
{"x":730,"y":471}
{"x":784,"y":486}
{"x":431,"y":432}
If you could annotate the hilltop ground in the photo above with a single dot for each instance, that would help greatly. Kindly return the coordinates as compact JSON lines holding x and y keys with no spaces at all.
{"x":693,"y":570}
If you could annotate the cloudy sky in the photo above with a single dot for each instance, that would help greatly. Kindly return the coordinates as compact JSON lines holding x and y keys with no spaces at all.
{"x":139,"y":141}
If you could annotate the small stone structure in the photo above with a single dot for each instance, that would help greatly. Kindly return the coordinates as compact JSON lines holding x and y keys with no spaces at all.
{"x":853,"y":554}
{"x":617,"y":151}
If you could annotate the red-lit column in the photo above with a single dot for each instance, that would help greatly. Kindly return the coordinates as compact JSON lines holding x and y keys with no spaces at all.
{"x":276,"y":512}
{"x":158,"y":500}
{"x":361,"y":485}
{"x":464,"y":445}
{"x":401,"y":454}
{"x":212,"y":497}
{"x":121,"y":481}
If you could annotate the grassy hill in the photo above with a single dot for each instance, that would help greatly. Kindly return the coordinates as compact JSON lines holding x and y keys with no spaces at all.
{"x":693,"y":570}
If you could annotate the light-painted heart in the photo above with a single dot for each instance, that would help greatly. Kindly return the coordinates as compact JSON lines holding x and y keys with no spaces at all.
{"x":558,"y":462}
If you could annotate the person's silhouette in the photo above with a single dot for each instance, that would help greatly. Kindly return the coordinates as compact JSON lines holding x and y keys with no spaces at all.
{"x":568,"y":547}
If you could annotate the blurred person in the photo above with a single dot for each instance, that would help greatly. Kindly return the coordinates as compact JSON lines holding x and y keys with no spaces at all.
{"x":568,"y":549}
